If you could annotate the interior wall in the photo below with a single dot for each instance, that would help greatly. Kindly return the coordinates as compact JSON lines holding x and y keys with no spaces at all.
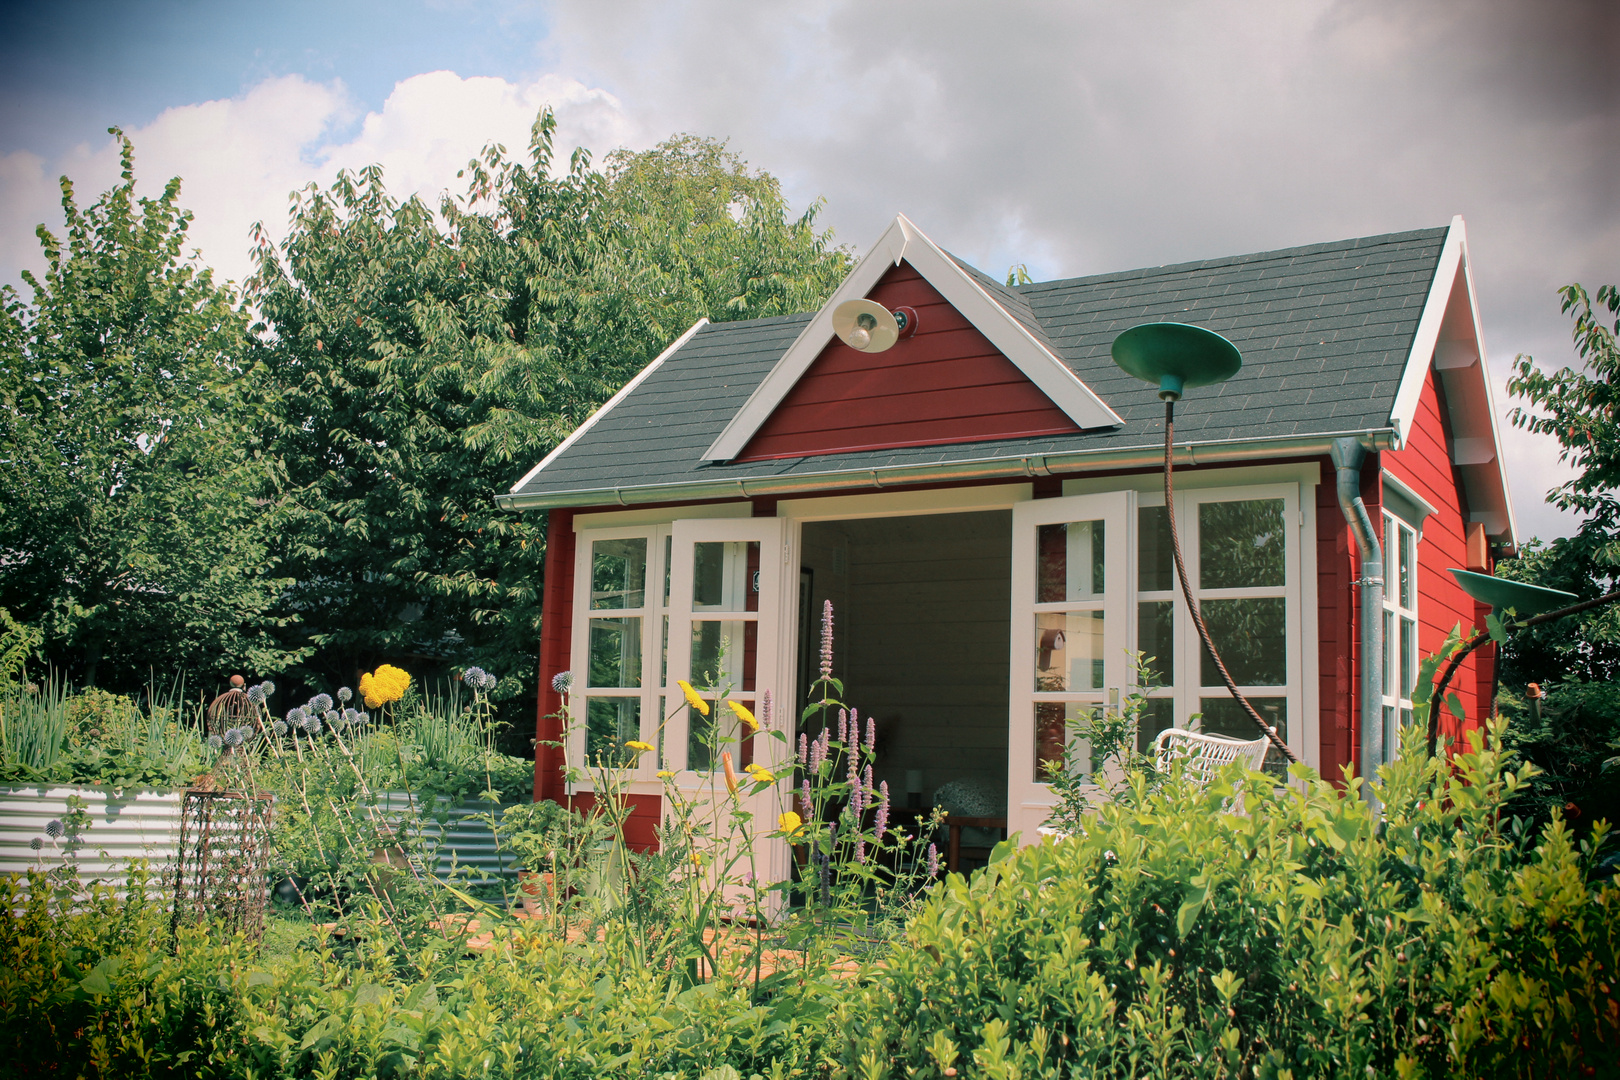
{"x":922,"y":611}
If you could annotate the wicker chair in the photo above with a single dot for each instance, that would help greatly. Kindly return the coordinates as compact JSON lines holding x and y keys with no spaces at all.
{"x":1205,"y":754}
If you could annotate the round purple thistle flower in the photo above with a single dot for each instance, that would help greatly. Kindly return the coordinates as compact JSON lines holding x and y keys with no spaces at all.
{"x":279,"y":727}
{"x":322,"y":702}
{"x":234,"y":737}
{"x":330,"y":716}
{"x":256,"y":694}
{"x":933,"y":861}
{"x":826,"y":640}
{"x":562,"y":682}
{"x":215,"y":741}
{"x":313,"y":725}
{"x":351,"y":717}
{"x":295,"y":715}
{"x":54,"y":829}
{"x":364,"y":717}
{"x":473,"y":677}
{"x":344,"y":693}
{"x":881,"y":826}
{"x":871,"y":735}
{"x":268,"y":687}
{"x":36,"y":843}
{"x":490,"y":681}
{"x":804,"y":750}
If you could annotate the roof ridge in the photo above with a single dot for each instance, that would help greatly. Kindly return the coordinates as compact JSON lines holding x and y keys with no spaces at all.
{"x":1190,"y":266}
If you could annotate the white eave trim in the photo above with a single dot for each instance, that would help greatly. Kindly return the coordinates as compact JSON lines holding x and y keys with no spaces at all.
{"x":1458,"y":358}
{"x":623,"y":393}
{"x":903,"y":240}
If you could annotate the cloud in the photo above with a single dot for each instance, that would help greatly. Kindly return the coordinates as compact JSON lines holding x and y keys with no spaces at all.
{"x":239,"y":158}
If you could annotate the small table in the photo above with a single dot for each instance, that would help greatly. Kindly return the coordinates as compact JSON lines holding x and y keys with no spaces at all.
{"x":957,"y":824}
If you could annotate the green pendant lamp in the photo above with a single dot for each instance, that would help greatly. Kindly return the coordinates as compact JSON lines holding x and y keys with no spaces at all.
{"x":1177,"y":356}
{"x":1501,"y":594}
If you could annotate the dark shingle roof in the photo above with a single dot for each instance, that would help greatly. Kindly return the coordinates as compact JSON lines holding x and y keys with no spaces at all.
{"x":1325,"y":332}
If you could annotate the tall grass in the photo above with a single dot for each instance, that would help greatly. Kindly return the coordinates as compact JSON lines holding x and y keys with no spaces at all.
{"x":34,"y":726}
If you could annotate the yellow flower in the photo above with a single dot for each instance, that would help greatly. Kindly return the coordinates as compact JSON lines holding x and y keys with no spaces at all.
{"x":744,"y":715}
{"x":665,"y":774}
{"x":387,"y":684}
{"x":761,"y":773}
{"x":639,"y":746}
{"x":692,"y":698}
{"x":790,"y":823}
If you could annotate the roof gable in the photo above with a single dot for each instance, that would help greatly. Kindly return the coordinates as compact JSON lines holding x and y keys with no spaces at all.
{"x":903,"y":241}
{"x":945,"y":384}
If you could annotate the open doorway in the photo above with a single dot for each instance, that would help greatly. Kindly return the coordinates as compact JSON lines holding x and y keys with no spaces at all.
{"x":923,"y":610}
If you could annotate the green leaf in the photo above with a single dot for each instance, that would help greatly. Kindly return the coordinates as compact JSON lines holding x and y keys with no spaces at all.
{"x":1188,"y":913}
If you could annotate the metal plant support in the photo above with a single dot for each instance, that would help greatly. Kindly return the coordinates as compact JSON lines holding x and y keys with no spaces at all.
{"x":221,"y":870}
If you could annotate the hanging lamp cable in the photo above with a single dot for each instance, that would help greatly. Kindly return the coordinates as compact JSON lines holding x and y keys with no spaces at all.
{"x":1186,"y":589}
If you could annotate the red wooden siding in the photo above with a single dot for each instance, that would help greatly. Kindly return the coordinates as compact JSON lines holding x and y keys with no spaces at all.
{"x":945,"y":384}
{"x":1425,"y":466}
{"x":1336,"y":631}
{"x":556,"y":633}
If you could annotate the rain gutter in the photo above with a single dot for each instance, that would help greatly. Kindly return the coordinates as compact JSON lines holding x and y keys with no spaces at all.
{"x":982,"y":469}
{"x":1348,"y":455}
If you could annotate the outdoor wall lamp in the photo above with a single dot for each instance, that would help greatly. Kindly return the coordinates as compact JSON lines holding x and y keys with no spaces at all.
{"x":870,"y":327}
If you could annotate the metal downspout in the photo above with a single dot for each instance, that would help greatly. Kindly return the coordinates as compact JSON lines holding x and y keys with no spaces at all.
{"x":1348,"y":455}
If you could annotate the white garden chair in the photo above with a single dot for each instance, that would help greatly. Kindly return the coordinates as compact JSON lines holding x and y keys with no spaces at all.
{"x":1205,"y":754}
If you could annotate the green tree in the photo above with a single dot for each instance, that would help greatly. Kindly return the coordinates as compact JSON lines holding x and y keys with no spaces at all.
{"x":128,"y":531}
{"x":420,"y":362}
{"x":1581,"y":409}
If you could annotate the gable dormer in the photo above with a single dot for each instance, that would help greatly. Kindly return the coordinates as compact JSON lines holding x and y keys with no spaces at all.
{"x":977,"y":368}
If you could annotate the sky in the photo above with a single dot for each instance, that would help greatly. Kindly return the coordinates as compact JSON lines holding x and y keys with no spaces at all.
{"x":1070,"y":137}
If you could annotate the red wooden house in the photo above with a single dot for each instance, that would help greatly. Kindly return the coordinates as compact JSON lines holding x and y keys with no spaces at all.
{"x":982,"y":502}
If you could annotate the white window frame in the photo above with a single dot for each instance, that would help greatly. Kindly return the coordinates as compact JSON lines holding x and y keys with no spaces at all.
{"x":652,"y":614}
{"x":1399,"y":611}
{"x":1298,"y":593}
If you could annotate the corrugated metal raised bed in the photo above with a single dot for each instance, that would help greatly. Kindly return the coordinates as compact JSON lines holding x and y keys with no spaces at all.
{"x":145,"y":823}
{"x":124,"y":825}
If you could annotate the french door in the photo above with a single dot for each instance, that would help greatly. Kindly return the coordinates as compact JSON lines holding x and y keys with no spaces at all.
{"x":1070,"y":636}
{"x":725,"y":638}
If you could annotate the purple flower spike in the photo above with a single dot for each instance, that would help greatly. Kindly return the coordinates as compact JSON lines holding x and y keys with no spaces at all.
{"x":804,"y":750}
{"x":882,"y":824}
{"x":933,"y":861}
{"x":856,"y":806}
{"x":804,"y":793}
{"x":843,"y":726}
{"x":826,"y":640}
{"x":818,"y":753}
{"x":860,"y":850}
{"x":765,"y":710}
{"x":866,"y":781}
{"x":871,"y":735}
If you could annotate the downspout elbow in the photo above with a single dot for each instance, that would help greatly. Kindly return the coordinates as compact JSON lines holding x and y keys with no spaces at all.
{"x":1348,"y":456}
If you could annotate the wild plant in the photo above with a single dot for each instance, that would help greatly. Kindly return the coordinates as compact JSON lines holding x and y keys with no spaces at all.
{"x":1101,"y":756}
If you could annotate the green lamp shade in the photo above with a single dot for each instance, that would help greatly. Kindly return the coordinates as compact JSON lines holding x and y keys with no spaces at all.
{"x":1525,"y":600}
{"x":1176,"y":356}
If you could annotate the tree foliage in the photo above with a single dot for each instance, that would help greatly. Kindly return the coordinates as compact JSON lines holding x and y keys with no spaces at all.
{"x":419,"y":362}
{"x":128,"y":530}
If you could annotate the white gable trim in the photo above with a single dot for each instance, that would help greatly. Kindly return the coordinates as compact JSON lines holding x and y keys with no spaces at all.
{"x":623,"y":393}
{"x":903,"y":240}
{"x":1451,"y":339}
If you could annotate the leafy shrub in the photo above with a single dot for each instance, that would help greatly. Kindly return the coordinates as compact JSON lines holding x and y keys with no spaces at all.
{"x":1300,"y":937}
{"x":96,"y":992}
{"x":1573,"y":739}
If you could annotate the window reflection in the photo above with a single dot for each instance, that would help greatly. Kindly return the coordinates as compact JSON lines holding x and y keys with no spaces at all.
{"x":1241,"y":544}
{"x":619,"y":573}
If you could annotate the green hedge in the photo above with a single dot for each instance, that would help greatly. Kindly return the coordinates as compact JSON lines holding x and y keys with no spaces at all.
{"x":1300,"y":938}
{"x":1177,"y":938}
